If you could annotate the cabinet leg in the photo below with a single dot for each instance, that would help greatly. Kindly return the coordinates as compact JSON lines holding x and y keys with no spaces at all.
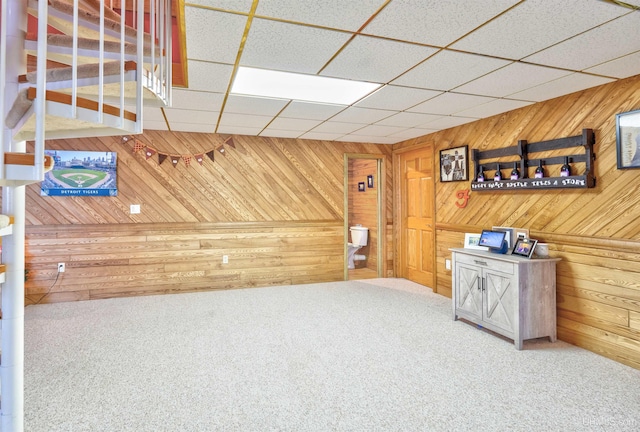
{"x":518,"y":344}
{"x":553,"y":337}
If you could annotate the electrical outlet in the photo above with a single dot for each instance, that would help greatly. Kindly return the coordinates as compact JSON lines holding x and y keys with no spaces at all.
{"x":447,"y":264}
{"x":225,"y":259}
{"x":134,"y":209}
{"x":61,"y":267}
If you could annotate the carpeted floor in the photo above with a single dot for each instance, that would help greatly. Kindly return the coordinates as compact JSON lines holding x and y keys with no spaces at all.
{"x":377,"y":355}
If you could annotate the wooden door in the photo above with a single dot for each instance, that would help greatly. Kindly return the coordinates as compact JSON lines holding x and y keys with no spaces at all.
{"x":417,"y":216}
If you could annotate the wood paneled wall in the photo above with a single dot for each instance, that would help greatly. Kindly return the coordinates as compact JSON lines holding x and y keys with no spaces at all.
{"x":595,"y":231}
{"x":363,"y":207}
{"x":274,"y":206}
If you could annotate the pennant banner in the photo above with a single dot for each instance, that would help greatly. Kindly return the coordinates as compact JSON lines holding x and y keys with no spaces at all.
{"x":199,"y":158}
{"x":149,"y":152}
{"x":137,"y":146}
{"x":161,"y":158}
{"x":175,"y":160}
{"x":186,"y":159}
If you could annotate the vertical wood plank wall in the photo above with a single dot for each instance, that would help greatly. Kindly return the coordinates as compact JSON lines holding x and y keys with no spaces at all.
{"x":363,"y":207}
{"x":596,"y":231}
{"x":274,"y":206}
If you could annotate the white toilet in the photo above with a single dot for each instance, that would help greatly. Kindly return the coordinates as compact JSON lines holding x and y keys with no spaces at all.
{"x":359,"y":235}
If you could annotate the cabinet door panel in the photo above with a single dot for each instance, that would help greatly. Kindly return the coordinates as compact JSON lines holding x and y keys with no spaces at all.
{"x":500,"y":300}
{"x":469,"y":295}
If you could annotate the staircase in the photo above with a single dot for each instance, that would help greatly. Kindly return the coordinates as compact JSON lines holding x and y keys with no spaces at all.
{"x":97,"y":64}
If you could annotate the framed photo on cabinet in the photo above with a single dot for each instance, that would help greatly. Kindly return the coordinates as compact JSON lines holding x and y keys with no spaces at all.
{"x":454,"y":164}
{"x":628,"y":139}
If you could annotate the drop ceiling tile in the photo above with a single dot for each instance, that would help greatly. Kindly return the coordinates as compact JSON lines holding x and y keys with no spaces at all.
{"x":379,"y":130}
{"x":511,"y":79}
{"x":202,"y":101}
{"x":279,"y":133}
{"x":607,"y":42}
{"x":334,"y":127}
{"x":450,"y":103}
{"x":362,"y":115}
{"x":191,"y":116}
{"x":254,"y":105}
{"x":368,"y":139}
{"x":492,"y":108}
{"x":290,"y":124}
{"x":337,"y":14}
{"x":191,"y":127}
{"x":436,"y":23}
{"x":412,"y":133}
{"x":376,"y":60}
{"x":289,"y":47}
{"x":325,"y":136}
{"x":407,"y":119}
{"x":449,"y":69}
{"x":155,"y":125}
{"x":244,"y":120}
{"x":311,"y":111}
{"x":238,"y":130}
{"x":396,"y":98}
{"x":562,"y":86}
{"x":622,"y":67}
{"x":230,"y":5}
{"x":209,"y":77}
{"x":536,"y":24}
{"x":206,"y":41}
{"x":447,"y":122}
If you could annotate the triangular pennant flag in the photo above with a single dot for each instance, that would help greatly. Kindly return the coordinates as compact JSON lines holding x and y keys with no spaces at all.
{"x":187,"y":159}
{"x":174,"y":160}
{"x":221,"y":149}
{"x":199,"y":158}
{"x":148,"y":152}
{"x":138,"y":146}
{"x":230,"y":142}
{"x":211,"y":155}
{"x":161,"y":158}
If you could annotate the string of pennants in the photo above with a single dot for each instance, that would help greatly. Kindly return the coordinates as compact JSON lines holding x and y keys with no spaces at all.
{"x":149,"y":152}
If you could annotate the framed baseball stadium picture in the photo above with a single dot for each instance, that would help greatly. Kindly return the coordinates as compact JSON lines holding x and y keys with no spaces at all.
{"x":81,"y":173}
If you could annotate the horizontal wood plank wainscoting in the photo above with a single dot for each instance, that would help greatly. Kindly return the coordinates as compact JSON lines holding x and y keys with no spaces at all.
{"x":595,"y":232}
{"x":275,"y":207}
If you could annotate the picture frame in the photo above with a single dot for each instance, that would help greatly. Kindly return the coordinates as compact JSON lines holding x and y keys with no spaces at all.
{"x":524,"y":247}
{"x":454,"y":164}
{"x":370,"y":181}
{"x":628,"y":139}
{"x":472,"y":241}
{"x":81,"y":173}
{"x":361,"y":187}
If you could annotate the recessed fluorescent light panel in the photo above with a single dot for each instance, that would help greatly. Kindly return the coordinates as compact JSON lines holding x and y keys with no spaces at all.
{"x":310,"y":88}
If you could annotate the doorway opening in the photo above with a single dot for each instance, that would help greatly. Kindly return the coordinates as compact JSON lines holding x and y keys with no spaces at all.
{"x":363,"y":225}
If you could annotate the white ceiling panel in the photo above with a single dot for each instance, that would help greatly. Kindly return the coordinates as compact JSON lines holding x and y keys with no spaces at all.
{"x":449,"y":69}
{"x":396,"y":98}
{"x":362,"y":115}
{"x":407,"y":119}
{"x":280,"y":133}
{"x":379,"y":130}
{"x":340,"y":14}
{"x":288,"y":47}
{"x":155,"y":125}
{"x":377,"y":60}
{"x":561,"y":86}
{"x":412,"y":133}
{"x":536,"y":24}
{"x":447,"y":122}
{"x":607,"y":42}
{"x":191,"y":127}
{"x":310,"y":111}
{"x":622,"y":67}
{"x":209,"y":77}
{"x":220,"y":41}
{"x":367,"y":139}
{"x":333,"y":127}
{"x":203,"y":101}
{"x":435,"y":23}
{"x":326,"y":136}
{"x":292,"y":124}
{"x":229,"y":5}
{"x":254,"y":105}
{"x":239,"y":130}
{"x":252,"y":121}
{"x":450,"y":103}
{"x":191,"y":116}
{"x":511,"y":79}
{"x":492,"y":108}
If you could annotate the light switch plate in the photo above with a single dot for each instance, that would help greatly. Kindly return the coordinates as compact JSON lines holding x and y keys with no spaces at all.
{"x":135,"y":209}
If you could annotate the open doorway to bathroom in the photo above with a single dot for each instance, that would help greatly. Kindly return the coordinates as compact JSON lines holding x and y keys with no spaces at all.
{"x":364,"y":234}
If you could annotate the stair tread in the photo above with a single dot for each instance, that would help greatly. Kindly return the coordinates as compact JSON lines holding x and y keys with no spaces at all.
{"x":90,"y":70}
{"x":63,"y":98}
{"x":66,"y":41}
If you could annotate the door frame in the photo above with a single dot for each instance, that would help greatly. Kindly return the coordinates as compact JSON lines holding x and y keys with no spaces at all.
{"x":380,"y":182}
{"x":399,"y":250}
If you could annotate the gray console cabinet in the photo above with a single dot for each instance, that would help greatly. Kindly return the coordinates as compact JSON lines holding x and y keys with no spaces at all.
{"x":510,"y":295}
